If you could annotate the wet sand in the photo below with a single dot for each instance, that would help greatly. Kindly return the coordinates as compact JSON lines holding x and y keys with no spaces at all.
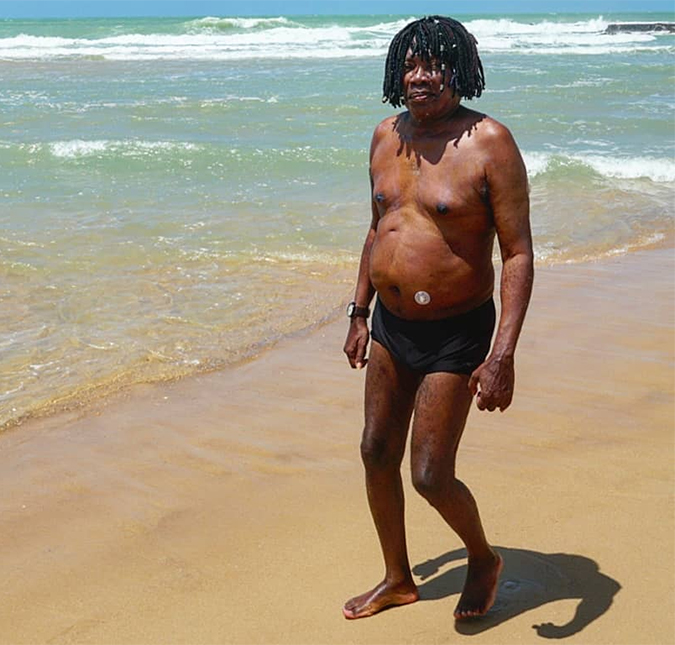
{"x":230,"y":508}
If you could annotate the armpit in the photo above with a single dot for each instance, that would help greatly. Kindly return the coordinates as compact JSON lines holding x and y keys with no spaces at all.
{"x":484,"y":190}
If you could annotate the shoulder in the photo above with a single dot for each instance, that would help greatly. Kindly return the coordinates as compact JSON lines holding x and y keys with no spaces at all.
{"x":390,"y":123}
{"x":385,"y":127}
{"x":489,"y":130}
{"x":383,"y":132}
{"x":495,"y":143}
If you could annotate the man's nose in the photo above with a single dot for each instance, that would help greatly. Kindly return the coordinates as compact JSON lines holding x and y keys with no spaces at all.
{"x":421,"y":73}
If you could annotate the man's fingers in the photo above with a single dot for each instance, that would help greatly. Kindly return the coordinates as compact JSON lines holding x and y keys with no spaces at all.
{"x":361,"y":359}
{"x":505,"y":405}
{"x":492,"y":402}
{"x":473,"y":383}
{"x":486,"y":402}
{"x":350,"y":353}
{"x":359,"y":356}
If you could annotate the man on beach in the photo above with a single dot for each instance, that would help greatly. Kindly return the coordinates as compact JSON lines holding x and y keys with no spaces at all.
{"x":445,"y":180}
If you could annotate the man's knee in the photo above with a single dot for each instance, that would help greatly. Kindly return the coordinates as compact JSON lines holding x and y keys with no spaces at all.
{"x":378,"y":453}
{"x":432,"y":483}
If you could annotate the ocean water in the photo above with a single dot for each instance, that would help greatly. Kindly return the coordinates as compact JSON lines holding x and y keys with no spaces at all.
{"x":176,"y":194}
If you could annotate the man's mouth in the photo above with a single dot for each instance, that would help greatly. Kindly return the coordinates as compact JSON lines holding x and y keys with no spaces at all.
{"x":420,"y":95}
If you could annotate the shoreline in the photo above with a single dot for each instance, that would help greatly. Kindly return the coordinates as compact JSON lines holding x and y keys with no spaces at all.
{"x":91,"y":398}
{"x":229,"y":507}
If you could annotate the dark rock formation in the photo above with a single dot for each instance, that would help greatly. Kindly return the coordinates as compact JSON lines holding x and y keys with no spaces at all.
{"x":620,"y":27}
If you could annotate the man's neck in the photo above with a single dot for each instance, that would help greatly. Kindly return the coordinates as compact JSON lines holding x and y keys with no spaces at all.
{"x":430,"y":123}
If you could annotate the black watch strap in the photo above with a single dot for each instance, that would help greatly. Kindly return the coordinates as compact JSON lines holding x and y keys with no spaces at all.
{"x":355,"y":311}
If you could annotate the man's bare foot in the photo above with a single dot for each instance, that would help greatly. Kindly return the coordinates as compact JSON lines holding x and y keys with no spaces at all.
{"x":480,"y":588}
{"x":383,"y":596}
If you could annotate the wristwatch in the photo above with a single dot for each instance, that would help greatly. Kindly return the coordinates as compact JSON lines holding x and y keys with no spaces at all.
{"x":354,"y":311}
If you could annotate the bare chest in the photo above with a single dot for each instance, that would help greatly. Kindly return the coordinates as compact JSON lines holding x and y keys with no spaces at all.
{"x":446,"y":185}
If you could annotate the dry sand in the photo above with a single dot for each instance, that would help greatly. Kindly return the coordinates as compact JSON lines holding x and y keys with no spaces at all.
{"x":230,"y":508}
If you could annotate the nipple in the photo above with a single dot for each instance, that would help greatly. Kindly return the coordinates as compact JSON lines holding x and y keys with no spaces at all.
{"x":422,"y":298}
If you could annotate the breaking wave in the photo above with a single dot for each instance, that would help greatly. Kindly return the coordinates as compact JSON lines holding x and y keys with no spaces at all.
{"x":220,"y":38}
{"x":658,"y":170}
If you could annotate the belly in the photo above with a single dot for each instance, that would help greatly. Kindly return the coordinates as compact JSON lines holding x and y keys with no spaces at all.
{"x":406,"y":261}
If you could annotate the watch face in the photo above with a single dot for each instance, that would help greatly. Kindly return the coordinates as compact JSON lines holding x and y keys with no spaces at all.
{"x":350,"y":309}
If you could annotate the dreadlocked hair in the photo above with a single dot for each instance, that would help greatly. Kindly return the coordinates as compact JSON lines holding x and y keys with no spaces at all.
{"x":443,"y":39}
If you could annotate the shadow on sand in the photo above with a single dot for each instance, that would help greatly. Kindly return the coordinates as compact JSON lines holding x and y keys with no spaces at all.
{"x":530,"y":579}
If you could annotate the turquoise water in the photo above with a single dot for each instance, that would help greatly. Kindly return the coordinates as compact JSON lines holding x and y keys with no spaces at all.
{"x":177,"y":193}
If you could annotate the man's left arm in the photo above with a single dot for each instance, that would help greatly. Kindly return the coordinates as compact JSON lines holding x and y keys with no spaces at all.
{"x":509,"y":199}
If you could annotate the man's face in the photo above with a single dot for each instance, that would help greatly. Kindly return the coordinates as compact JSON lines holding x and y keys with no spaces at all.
{"x":424,"y":82}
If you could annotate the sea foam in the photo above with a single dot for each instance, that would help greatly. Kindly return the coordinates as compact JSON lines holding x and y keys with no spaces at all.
{"x":658,"y":170}
{"x":81,"y":148}
{"x":214,"y":38}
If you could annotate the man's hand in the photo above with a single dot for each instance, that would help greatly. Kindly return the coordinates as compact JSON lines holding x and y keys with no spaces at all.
{"x":357,"y":342}
{"x":496,"y":378}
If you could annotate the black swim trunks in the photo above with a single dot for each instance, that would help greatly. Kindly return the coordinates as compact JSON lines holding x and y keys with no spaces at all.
{"x":458,"y":344}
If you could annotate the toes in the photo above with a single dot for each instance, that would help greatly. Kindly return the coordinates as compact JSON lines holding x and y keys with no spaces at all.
{"x":356,"y":608}
{"x":351,"y":614}
{"x":461,"y":614}
{"x":353,"y":604}
{"x":350,"y":611}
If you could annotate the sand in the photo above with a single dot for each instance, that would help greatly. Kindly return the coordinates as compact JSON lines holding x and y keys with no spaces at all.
{"x":230,"y":507}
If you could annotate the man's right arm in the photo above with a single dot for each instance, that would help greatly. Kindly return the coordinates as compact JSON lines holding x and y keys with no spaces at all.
{"x":358,"y":335}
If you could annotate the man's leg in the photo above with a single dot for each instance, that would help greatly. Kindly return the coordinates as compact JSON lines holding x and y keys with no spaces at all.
{"x":443,"y":402}
{"x":389,"y":399}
